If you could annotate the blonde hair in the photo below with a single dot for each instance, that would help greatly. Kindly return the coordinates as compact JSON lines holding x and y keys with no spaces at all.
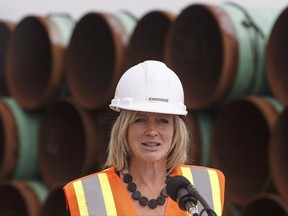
{"x":119,"y":150}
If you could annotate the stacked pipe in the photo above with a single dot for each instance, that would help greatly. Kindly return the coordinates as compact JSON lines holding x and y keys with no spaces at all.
{"x":34,"y":75}
{"x":44,"y":125}
{"x":222,"y":53}
{"x":60,"y":75}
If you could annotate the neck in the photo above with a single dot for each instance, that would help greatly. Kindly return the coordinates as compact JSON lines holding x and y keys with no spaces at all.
{"x":147,"y":173}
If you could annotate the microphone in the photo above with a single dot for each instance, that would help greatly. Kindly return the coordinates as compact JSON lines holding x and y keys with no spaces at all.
{"x":180,"y":194}
{"x":177,"y":188}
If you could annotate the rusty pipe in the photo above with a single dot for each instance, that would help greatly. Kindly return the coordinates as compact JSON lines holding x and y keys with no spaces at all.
{"x":278,"y":149}
{"x":22,"y":197}
{"x":200,"y":125}
{"x":95,"y":58}
{"x":240,"y":143}
{"x":276,"y":58}
{"x":148,"y":39}
{"x":19,"y":141}
{"x":218,"y":52}
{"x":35,"y":62}
{"x":55,"y":203}
{"x":72,"y":142}
{"x":265,"y":204}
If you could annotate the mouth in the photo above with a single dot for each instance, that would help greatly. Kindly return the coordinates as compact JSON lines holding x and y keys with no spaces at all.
{"x":151,"y":144}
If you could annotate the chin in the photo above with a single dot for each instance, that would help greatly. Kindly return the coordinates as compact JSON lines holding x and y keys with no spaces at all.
{"x":152,"y":158}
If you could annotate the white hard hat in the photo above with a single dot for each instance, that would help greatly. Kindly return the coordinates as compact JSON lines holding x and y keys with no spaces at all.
{"x":150,"y":86}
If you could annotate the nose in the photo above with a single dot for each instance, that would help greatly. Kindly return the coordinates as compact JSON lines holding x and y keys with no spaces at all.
{"x":151,"y":130}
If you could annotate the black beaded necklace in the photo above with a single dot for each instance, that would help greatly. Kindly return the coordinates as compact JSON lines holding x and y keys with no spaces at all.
{"x":136,"y":195}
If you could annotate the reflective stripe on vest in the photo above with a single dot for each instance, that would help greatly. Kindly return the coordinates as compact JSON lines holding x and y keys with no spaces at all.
{"x":207,"y":183}
{"x":94,"y":195}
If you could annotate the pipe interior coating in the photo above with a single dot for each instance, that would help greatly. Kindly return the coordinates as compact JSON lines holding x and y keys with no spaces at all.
{"x":276,"y":58}
{"x":240,"y":141}
{"x":62,"y":143}
{"x":148,"y":39}
{"x":94,"y":59}
{"x":201,"y":51}
{"x":35,"y":62}
{"x":278,"y":154}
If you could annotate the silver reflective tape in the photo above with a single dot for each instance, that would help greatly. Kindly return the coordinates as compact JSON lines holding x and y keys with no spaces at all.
{"x":203,"y":185}
{"x":94,"y":197}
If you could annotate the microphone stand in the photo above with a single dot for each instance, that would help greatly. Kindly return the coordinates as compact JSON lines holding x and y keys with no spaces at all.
{"x":187,"y":202}
{"x":193,"y":191}
{"x":191,"y":209}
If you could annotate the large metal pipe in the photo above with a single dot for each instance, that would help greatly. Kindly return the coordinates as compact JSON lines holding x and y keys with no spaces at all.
{"x":148,"y":39}
{"x":276,"y":58}
{"x":231,"y":209}
{"x":22,"y":197}
{"x":35,"y":60}
{"x":265,"y":205}
{"x":240,"y":143}
{"x":55,"y":203}
{"x":72,"y":142}
{"x":6,"y":29}
{"x":19,"y":131}
{"x":278,"y":154}
{"x":200,"y":125}
{"x":95,"y":58}
{"x":218,"y":52}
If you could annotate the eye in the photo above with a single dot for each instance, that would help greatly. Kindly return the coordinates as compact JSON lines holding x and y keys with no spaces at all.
{"x":140,"y":120}
{"x":163,"y":121}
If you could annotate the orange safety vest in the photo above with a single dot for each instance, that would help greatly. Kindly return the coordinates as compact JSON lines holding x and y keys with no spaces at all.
{"x":103,"y":193}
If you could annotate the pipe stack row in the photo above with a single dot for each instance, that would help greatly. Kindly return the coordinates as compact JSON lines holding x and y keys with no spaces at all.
{"x":58,"y":75}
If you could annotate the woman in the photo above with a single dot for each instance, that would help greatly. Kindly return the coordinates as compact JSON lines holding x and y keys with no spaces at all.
{"x":149,"y":144}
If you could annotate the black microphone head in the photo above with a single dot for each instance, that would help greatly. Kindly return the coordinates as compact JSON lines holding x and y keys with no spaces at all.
{"x":174,"y":184}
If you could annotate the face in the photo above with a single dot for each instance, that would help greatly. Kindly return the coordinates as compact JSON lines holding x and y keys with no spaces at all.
{"x":150,"y":136}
